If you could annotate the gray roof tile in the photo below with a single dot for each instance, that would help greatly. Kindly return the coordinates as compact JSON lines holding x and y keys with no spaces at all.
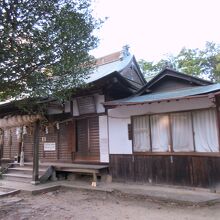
{"x":177,"y":94}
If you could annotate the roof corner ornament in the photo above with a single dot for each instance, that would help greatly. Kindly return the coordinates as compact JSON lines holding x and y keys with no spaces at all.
{"x":125,"y":52}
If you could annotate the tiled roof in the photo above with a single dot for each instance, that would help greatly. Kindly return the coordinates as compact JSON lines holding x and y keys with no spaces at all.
{"x":109,"y":64}
{"x":177,"y":94}
{"x":108,"y":58}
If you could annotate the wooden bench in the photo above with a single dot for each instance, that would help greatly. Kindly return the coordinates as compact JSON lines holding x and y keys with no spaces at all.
{"x":80,"y":168}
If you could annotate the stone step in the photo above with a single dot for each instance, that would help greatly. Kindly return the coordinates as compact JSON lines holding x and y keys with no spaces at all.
{"x":24,"y":170}
{"x":18,"y":173}
{"x":41,"y":166}
{"x":17,"y":177}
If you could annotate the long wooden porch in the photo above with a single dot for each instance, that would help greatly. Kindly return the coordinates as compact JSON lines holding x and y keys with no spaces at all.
{"x":49,"y":170}
{"x":78,"y":168}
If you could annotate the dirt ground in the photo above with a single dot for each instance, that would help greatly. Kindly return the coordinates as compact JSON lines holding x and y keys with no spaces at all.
{"x":86,"y":205}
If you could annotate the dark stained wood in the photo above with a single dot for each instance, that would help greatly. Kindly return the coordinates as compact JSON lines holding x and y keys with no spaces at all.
{"x":35,"y":174}
{"x":169,"y":84}
{"x":82,"y":136}
{"x":58,"y":144}
{"x":121,"y":167}
{"x":1,"y":143}
{"x":129,"y":132}
{"x":193,"y":171}
{"x":86,"y":105}
{"x":93,"y":130}
{"x":72,"y":138}
{"x":72,"y":127}
{"x":87,"y":139}
{"x":195,"y":154}
{"x":65,"y":142}
{"x":28,"y":147}
{"x":10,"y":148}
{"x":131,"y":74}
{"x":51,"y":137}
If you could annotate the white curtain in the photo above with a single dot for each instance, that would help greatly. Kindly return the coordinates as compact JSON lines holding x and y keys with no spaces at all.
{"x":160,"y":133}
{"x":182,"y":133}
{"x":205,"y":130}
{"x":141,"y":134}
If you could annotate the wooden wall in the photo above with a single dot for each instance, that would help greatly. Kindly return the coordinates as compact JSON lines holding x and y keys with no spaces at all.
{"x":10,"y":148}
{"x":195,"y":171}
{"x":63,"y":138}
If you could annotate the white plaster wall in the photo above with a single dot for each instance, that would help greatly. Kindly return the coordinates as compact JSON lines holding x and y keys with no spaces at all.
{"x":172,"y":106}
{"x":103,"y":139}
{"x":99,"y":99}
{"x":67,"y":106}
{"x":120,"y":117}
{"x":118,"y":136}
{"x":75,"y":108}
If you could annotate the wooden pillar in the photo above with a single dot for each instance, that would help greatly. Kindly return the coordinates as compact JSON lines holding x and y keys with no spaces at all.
{"x":1,"y":143}
{"x":35,"y":174}
{"x":218,"y":118}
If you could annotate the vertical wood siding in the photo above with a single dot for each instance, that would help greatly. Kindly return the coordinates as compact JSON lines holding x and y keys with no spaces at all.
{"x":195,"y":171}
{"x":28,"y":147}
{"x":10,"y":148}
{"x":82,"y":137}
{"x":64,"y":139}
{"x":88,"y":139}
{"x":94,"y":136}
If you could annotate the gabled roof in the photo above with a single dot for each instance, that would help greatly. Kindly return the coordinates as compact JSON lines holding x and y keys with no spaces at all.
{"x":114,"y":63}
{"x":168,"y":72}
{"x":164,"y":96}
{"x":107,"y":71}
{"x":106,"y":66}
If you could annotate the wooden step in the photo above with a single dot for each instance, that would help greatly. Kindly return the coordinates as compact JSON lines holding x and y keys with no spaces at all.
{"x":78,"y":170}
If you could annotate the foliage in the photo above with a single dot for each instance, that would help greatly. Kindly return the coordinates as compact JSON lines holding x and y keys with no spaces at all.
{"x":197,"y":62}
{"x":44,"y":46}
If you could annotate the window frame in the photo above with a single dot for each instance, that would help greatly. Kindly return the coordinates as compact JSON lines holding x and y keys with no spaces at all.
{"x":171,"y":151}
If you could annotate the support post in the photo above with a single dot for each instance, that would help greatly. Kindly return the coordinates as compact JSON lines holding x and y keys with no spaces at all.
{"x":35,"y":174}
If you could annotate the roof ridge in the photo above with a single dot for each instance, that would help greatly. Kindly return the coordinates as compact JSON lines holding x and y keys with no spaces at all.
{"x":112,"y":57}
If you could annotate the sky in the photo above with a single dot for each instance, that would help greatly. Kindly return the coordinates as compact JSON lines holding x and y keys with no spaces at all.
{"x":155,"y":28}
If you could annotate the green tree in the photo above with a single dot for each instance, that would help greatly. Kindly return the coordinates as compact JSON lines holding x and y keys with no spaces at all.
{"x":189,"y":61}
{"x":197,"y":62}
{"x":211,"y":61}
{"x":44,"y":46}
{"x":150,"y":68}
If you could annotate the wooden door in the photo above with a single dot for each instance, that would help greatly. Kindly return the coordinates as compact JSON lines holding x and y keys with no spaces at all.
{"x":66,"y":142}
{"x":87,"y":139}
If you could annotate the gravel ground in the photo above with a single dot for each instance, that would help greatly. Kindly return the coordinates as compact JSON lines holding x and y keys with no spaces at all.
{"x":86,"y":205}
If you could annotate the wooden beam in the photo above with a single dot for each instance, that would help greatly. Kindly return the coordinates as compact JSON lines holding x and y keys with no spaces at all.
{"x":35,"y":174}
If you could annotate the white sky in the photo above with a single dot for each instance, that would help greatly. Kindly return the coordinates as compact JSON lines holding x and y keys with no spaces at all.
{"x":153,"y":28}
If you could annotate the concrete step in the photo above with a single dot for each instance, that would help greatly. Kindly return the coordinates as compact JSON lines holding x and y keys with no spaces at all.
{"x":17,"y":177}
{"x":24,"y":170}
{"x":18,"y":173}
{"x":30,"y":165}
